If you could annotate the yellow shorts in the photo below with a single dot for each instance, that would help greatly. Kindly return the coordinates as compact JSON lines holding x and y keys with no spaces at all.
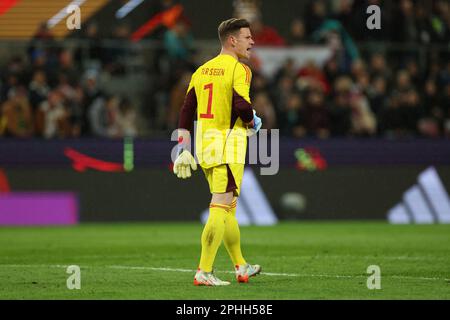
{"x":225,"y":178}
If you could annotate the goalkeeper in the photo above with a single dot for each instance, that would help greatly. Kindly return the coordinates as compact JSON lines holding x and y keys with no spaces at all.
{"x":218,"y":94}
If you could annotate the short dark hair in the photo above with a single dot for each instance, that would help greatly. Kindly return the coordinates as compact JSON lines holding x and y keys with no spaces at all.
{"x":231,"y":26}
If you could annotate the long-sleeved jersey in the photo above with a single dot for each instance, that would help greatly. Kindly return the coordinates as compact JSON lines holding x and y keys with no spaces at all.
{"x":219,"y":95}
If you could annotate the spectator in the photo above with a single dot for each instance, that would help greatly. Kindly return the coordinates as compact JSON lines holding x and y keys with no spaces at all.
{"x":103,"y":117}
{"x":414,"y":73}
{"x":176,"y":98}
{"x":95,"y":51}
{"x":403,"y":82}
{"x":297,"y":33}
{"x":444,"y":76}
{"x":91,"y":87}
{"x":179,"y":45}
{"x":179,"y":42}
{"x":117,"y":51}
{"x":340,"y":114}
{"x":331,"y":69}
{"x":288,"y":69}
{"x":113,"y":117}
{"x":363,"y":121}
{"x":431,"y":99}
{"x":423,"y":24}
{"x":264,"y":35}
{"x":358,"y":68}
{"x":65,"y":67}
{"x":406,"y":25}
{"x":292,"y":117}
{"x":38,"y":89}
{"x":317,"y":118}
{"x":412,"y":110}
{"x":316,"y":14}
{"x":17,"y":67}
{"x":377,"y":95}
{"x":265,"y":109}
{"x":39,"y":61}
{"x":446,"y":101}
{"x":127,"y":118}
{"x":284,"y":88}
{"x":339,"y":41}
{"x":311,"y":76}
{"x":91,"y":91}
{"x":446,"y":104}
{"x":73,"y":101}
{"x":259,"y":83}
{"x":52,"y":117}
{"x":16,"y":119}
{"x":43,"y":32}
{"x":43,"y":43}
{"x":360,"y":75}
{"x":391,"y":121}
{"x":378,"y":67}
{"x":76,"y":111}
{"x":440,"y":22}
{"x":10,"y":86}
{"x":91,"y":54}
{"x":244,"y":9}
{"x":402,"y":115}
{"x":346,"y":16}
{"x":363,"y":83}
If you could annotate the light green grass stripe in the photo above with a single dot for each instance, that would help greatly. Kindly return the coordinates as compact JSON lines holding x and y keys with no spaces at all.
{"x":168,"y":269}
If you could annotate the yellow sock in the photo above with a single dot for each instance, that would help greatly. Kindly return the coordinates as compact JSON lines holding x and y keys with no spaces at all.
{"x":232,"y":236}
{"x":212,"y":235}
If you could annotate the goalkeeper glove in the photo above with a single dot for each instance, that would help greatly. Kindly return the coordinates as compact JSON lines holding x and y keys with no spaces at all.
{"x":257,"y":123}
{"x":183,"y":164}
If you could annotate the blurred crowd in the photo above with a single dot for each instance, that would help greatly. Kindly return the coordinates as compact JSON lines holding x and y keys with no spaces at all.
{"x":47,"y":93}
{"x":371,"y":99}
{"x":376,"y":93}
{"x":373,"y":92}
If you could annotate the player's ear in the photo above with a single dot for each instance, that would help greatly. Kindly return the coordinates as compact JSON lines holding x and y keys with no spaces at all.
{"x":232,"y":40}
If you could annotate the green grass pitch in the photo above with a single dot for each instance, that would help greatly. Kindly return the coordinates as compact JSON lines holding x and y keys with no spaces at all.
{"x":303,"y":260}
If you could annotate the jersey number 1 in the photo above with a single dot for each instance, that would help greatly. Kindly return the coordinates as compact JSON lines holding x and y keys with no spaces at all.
{"x":208,"y":114}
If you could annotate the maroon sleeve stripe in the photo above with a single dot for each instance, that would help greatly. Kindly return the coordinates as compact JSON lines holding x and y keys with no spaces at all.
{"x":242,"y":108}
{"x":188,"y":111}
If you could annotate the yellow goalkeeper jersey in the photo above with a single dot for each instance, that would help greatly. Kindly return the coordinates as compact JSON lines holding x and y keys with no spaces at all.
{"x":221,"y":134}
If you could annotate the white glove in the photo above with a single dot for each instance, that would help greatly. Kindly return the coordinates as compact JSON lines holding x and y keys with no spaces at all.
{"x":183,"y":164}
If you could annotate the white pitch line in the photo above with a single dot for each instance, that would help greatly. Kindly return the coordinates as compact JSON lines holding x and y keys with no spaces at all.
{"x":262,"y":272}
{"x":150,"y":268}
{"x":419,"y":278}
{"x":166,"y":269}
{"x":193,"y":271}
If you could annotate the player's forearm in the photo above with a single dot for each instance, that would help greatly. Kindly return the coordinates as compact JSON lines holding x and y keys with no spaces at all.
{"x":188,"y":110}
{"x":243,"y":108}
